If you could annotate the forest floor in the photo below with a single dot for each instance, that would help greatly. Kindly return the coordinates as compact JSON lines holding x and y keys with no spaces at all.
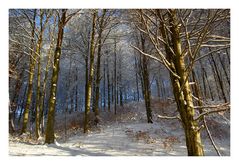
{"x":125,"y":134}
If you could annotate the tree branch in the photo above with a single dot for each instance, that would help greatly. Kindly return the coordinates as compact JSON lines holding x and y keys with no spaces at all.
{"x":210,"y":137}
{"x":155,"y":58}
{"x":222,"y":107}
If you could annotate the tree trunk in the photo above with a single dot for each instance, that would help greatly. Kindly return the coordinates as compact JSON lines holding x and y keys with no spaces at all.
{"x":115,"y":77}
{"x":91,"y":69}
{"x":30,"y":80}
{"x":56,"y":67}
{"x":104,"y":92}
{"x":136,"y":78}
{"x":38,"y":50}
{"x":97,"y":87}
{"x":218,"y":78}
{"x":206,"y":78}
{"x":76,"y":91}
{"x":158,"y":86}
{"x":224,"y":69}
{"x":181,"y":88}
{"x":147,"y":91}
{"x":22,"y":105}
{"x":108,"y":85}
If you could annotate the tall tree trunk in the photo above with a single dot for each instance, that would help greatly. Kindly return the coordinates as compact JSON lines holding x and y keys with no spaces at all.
{"x":181,"y":88}
{"x":140,"y":66}
{"x":76,"y":91}
{"x":224,"y":69}
{"x":115,"y":77}
{"x":108,"y":85}
{"x":56,"y":67}
{"x":43,"y":95}
{"x":147,"y":91}
{"x":206,"y":78}
{"x":136,"y":77}
{"x":38,"y":50}
{"x":91,"y":69}
{"x":112,"y":88}
{"x":120,"y":82}
{"x":104,"y":91}
{"x":97,"y":87}
{"x":158,"y":86}
{"x":30,"y":80}
{"x":220,"y":82}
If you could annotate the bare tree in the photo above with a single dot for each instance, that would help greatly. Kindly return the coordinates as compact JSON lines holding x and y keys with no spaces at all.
{"x":182,"y":33}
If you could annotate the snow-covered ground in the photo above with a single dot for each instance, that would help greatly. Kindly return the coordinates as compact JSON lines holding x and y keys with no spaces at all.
{"x":117,"y":140}
{"x":128,"y":137}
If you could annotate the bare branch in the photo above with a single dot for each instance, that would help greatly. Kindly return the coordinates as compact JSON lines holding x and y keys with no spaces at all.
{"x":213,"y":51}
{"x":155,"y":58}
{"x":221,"y":108}
{"x":210,"y":137}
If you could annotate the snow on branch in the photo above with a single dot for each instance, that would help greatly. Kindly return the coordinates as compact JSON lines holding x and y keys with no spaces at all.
{"x":169,"y":117}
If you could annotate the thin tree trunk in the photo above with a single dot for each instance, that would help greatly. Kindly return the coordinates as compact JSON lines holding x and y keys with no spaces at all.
{"x":224,"y":69}
{"x":89,"y":84}
{"x":39,"y":45}
{"x":158,"y":86}
{"x":115,"y":78}
{"x":76,"y":91}
{"x":206,"y":78}
{"x":120,"y":82}
{"x":30,"y":81}
{"x":136,"y":77}
{"x":104,"y":92}
{"x":219,"y":78}
{"x":147,"y":92}
{"x":108,"y":85}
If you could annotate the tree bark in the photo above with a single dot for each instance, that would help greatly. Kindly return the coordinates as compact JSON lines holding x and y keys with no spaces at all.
{"x":50,"y":138}
{"x":181,"y":88}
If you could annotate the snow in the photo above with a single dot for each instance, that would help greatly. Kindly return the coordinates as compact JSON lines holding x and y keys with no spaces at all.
{"x":129,"y":135}
{"x":115,"y":140}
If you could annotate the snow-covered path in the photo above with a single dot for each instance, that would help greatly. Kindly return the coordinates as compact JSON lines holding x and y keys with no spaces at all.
{"x":129,"y":139}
